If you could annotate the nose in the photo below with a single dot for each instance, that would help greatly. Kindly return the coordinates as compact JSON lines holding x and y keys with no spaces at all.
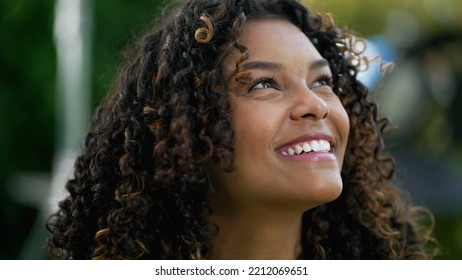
{"x":308,"y":105}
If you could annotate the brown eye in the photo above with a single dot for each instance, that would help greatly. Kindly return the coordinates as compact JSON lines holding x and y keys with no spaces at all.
{"x":264,"y":83}
{"x":324,"y":80}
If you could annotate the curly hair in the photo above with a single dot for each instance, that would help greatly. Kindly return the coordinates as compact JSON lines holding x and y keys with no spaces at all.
{"x":140,"y":185}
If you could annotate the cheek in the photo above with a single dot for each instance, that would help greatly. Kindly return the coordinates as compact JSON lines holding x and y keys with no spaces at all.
{"x":345,"y":122}
{"x":250,"y":132}
{"x":255,"y":126}
{"x":341,"y":122}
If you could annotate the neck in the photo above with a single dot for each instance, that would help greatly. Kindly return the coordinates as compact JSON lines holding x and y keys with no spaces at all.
{"x":261,"y":235}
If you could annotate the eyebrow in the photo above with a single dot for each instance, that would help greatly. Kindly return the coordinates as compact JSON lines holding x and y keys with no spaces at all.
{"x":258,"y":65}
{"x":268,"y":65}
{"x":275,"y":66}
{"x":263,"y":65}
{"x":319,"y":63}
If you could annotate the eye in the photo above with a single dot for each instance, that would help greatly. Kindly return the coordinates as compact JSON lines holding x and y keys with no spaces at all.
{"x":264,"y":83}
{"x":324,"y":80}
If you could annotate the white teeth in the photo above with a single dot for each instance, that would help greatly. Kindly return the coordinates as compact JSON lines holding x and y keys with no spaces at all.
{"x":321,"y":145}
{"x":325,"y":146}
{"x":313,"y":145}
{"x":306,"y":147}
{"x":298,"y":149}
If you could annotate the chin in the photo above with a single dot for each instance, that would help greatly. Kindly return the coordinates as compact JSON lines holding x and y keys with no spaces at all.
{"x":322,"y":195}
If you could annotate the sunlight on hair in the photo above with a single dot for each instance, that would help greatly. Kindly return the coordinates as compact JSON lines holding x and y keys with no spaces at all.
{"x":204,"y":34}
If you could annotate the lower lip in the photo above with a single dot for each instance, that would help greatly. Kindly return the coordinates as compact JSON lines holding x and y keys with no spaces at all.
{"x":312,"y":157}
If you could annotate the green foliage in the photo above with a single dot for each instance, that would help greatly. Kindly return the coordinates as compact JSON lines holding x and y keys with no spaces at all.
{"x":28,"y":92}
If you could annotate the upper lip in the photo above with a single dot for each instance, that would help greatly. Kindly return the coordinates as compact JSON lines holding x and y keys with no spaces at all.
{"x":308,"y":137}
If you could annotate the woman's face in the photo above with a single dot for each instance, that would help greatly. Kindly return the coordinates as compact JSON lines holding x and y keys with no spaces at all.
{"x":291,"y":130}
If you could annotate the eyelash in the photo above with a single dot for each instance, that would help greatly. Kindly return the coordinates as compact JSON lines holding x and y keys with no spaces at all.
{"x":267,"y":79}
{"x":326,"y":80}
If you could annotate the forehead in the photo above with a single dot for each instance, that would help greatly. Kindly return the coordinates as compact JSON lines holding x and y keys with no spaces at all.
{"x":271,"y":34}
{"x":271,"y":27}
{"x":274,"y":39}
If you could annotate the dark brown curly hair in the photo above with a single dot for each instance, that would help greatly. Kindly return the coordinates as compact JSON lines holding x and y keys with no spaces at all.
{"x":140,"y":185}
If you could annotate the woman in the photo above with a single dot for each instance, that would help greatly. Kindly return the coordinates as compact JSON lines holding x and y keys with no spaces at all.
{"x":237,"y":130}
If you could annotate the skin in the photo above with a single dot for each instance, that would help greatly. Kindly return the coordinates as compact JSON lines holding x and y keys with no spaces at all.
{"x":258,"y":206}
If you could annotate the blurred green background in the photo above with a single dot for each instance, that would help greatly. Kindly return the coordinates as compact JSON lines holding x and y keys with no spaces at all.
{"x":41,"y":128}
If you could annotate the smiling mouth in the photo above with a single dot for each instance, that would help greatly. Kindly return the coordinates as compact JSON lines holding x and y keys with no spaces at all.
{"x":313,"y":146}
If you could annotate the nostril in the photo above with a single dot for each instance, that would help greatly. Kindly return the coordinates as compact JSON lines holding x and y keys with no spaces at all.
{"x":309,"y":115}
{"x":320,"y":115}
